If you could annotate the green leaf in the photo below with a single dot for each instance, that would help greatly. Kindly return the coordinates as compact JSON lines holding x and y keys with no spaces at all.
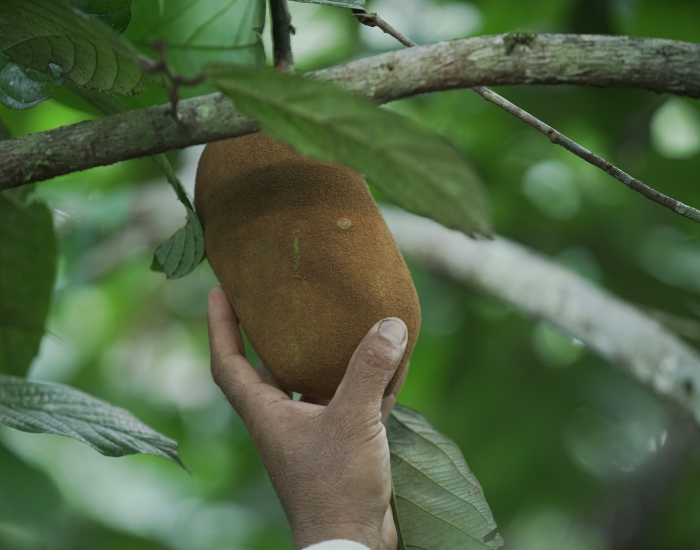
{"x":27,"y":273}
{"x":37,"y":33}
{"x":91,"y":101}
{"x":438,"y":502}
{"x":20,"y":484}
{"x":38,"y":407}
{"x":183,"y":252}
{"x":414,"y":167}
{"x":17,"y":90}
{"x":199,"y":32}
{"x":356,"y":4}
{"x":113,"y":13}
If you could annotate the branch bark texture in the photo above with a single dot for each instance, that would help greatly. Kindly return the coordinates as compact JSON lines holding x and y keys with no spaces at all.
{"x":107,"y":140}
{"x":616,"y":331}
{"x":587,"y":60}
{"x":664,"y":66}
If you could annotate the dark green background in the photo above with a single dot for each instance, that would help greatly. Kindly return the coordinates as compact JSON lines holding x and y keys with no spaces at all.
{"x":571,"y":454}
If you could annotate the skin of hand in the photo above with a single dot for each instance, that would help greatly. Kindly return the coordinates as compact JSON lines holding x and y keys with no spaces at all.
{"x":328,"y":462}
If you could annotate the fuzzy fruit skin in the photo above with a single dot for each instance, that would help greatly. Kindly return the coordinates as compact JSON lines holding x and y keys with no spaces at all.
{"x":304,"y":256}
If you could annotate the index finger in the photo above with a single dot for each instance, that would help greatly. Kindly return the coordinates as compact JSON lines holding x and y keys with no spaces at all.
{"x":229,"y":368}
{"x":225,"y":338}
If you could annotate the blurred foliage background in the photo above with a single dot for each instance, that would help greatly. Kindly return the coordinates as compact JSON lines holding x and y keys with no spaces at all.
{"x":572,"y":455}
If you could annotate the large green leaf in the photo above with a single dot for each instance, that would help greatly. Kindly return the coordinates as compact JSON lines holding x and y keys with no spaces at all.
{"x":90,"y":101}
{"x":37,"y":33}
{"x":199,"y":32}
{"x":414,"y":167}
{"x":113,"y":13}
{"x":23,"y":88}
{"x":438,"y":502}
{"x":20,"y":484}
{"x":355,"y":4}
{"x":27,"y":272}
{"x":39,"y":407}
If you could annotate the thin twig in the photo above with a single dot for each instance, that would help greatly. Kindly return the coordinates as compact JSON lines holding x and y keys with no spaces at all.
{"x":161,"y":65}
{"x":282,"y":31}
{"x":373,"y":20}
{"x":599,"y":162}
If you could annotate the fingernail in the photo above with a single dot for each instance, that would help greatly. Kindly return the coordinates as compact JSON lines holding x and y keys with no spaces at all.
{"x":392,"y":331}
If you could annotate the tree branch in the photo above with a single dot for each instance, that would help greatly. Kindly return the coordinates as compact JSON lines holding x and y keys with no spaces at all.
{"x":525,"y":39}
{"x":658,"y":65}
{"x":619,"y":333}
{"x":282,"y":31}
{"x":110,"y":139}
{"x":586,"y":60}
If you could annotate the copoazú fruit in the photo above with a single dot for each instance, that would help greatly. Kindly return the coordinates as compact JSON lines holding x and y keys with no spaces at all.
{"x":304,"y":256}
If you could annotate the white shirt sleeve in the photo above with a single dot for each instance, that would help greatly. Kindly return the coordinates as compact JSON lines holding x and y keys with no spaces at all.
{"x":337,"y":545}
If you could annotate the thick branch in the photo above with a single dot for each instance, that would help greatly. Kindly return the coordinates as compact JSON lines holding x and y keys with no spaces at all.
{"x":618,"y":332}
{"x":664,"y":66}
{"x":282,"y":36}
{"x":587,"y":60}
{"x":129,"y":135}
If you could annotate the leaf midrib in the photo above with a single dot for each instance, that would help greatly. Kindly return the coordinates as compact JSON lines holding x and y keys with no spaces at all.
{"x":448,"y":458}
{"x":441,"y":486}
{"x":443,"y":520}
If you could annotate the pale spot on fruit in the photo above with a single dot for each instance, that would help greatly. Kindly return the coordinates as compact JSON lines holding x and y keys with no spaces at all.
{"x":344,"y":224}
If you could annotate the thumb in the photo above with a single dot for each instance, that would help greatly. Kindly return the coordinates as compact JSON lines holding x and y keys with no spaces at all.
{"x":371,"y":368}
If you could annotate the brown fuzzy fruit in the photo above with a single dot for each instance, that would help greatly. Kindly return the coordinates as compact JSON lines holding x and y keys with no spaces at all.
{"x":304,"y":256}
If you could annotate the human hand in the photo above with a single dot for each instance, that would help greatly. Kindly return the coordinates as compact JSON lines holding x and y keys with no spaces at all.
{"x":328,"y":464}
